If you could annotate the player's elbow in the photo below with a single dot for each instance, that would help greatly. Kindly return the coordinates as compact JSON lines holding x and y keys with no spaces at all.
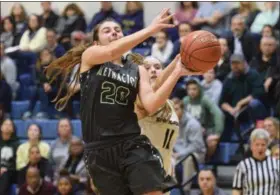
{"x":152,"y":107}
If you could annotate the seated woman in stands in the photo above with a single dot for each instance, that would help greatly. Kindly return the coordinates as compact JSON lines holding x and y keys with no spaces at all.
{"x":60,"y":146}
{"x":34,"y":133}
{"x":36,"y":160}
{"x":8,"y":146}
{"x":75,"y":166}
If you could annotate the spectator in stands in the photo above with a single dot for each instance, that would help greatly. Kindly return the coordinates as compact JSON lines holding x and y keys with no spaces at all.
{"x":240,"y":40}
{"x":34,"y":133}
{"x":222,"y":69}
{"x":270,"y":15}
{"x":133,"y":19}
{"x":248,"y":10}
{"x":267,"y":63}
{"x":183,"y":30}
{"x":275,"y":151}
{"x":272,"y":126}
{"x":268,"y":31}
{"x":49,"y":18}
{"x":34,"y":38}
{"x":242,"y":89}
{"x":162,"y":48}
{"x":53,"y":45}
{"x":75,"y":165}
{"x":44,"y":92}
{"x":36,"y":160}
{"x":189,"y":141}
{"x":206,"y":112}
{"x":18,"y":14}
{"x":5,"y":97}
{"x":9,"y":36}
{"x":64,"y":186}
{"x":9,"y":70}
{"x":8,"y":146}
{"x":211,"y":86}
{"x":211,"y":16}
{"x":106,"y":11}
{"x":207,"y":183}
{"x":258,"y":174}
{"x":60,"y":146}
{"x":73,"y":19}
{"x":35,"y":185}
{"x":186,"y":12}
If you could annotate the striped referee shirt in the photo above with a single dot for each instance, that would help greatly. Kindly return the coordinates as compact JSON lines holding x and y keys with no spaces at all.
{"x":254,"y":177}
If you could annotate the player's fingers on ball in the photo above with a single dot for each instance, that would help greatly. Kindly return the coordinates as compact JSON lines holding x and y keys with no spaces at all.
{"x":167,"y":18}
{"x":166,"y":10}
{"x":169,"y":26}
{"x":163,"y":11}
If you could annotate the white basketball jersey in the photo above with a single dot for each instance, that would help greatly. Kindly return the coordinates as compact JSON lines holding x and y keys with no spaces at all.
{"x":162,"y":134}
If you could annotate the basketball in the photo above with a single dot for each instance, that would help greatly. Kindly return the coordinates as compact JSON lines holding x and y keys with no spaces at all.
{"x":200,"y":51}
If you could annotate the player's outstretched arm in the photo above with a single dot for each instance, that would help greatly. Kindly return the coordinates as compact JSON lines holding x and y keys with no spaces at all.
{"x":139,"y":109}
{"x":97,"y":54}
{"x":166,"y":73}
{"x":151,"y":100}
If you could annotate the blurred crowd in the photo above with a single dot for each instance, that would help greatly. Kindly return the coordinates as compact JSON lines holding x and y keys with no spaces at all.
{"x":241,"y":93}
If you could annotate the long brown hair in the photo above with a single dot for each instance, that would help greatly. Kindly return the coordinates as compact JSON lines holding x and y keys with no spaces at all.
{"x":74,"y":7}
{"x":64,"y":66}
{"x":23,"y":15}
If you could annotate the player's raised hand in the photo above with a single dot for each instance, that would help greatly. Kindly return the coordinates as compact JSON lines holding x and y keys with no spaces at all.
{"x":161,"y":21}
{"x":182,"y":68}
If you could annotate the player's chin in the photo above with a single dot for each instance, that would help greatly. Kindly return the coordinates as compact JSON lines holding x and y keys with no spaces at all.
{"x":153,"y":80}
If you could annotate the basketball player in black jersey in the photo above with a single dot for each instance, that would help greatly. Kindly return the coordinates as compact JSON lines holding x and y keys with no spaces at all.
{"x":119,"y":159}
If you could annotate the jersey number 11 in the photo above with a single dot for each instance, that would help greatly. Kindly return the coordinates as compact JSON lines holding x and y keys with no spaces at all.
{"x":167,"y":139}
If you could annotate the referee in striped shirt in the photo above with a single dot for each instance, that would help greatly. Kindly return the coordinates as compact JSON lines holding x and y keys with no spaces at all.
{"x":258,"y":174}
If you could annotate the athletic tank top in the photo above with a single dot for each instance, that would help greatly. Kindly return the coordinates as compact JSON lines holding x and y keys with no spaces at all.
{"x":162,"y":134}
{"x":108,"y":93}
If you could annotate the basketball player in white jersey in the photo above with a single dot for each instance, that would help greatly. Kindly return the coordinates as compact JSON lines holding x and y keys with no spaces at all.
{"x":161,"y":127}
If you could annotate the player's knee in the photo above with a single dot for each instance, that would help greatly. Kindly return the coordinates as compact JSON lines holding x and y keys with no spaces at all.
{"x":154,"y":193}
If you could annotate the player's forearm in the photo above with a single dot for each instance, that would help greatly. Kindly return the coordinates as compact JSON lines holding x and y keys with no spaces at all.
{"x":158,"y":98}
{"x":164,"y":75}
{"x":121,"y":46}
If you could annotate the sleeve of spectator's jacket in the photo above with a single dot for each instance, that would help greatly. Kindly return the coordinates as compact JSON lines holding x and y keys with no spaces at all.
{"x":39,"y":41}
{"x":195,"y":138}
{"x":225,"y":97}
{"x":256,"y":84}
{"x":20,"y":161}
{"x":217,"y":114}
{"x":274,"y":71}
{"x":24,"y":41}
{"x":238,"y":177}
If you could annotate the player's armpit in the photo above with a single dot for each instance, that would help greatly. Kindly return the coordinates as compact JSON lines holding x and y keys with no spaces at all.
{"x":139,"y":109}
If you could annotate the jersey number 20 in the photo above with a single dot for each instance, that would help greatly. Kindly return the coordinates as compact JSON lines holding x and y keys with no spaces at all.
{"x":167,"y":139}
{"x":111,"y":94}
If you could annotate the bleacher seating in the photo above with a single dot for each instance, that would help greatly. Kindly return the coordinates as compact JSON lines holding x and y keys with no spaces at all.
{"x":18,"y":108}
{"x":49,"y":128}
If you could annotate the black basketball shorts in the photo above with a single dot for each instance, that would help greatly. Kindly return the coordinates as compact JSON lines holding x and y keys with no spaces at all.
{"x":128,"y":167}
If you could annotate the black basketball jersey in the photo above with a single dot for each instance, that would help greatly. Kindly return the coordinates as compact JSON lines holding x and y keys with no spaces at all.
{"x":108,"y":93}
